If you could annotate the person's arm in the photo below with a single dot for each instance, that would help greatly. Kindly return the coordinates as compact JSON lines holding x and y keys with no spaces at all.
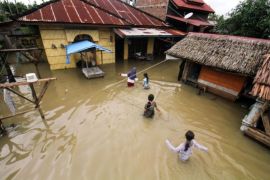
{"x":199,"y":146}
{"x":123,"y":75}
{"x":155,"y":105}
{"x":172,"y":148}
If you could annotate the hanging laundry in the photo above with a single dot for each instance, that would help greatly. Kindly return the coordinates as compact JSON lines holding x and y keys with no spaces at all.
{"x":9,"y":101}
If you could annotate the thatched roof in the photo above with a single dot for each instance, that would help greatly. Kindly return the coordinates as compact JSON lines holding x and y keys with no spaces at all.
{"x":232,"y":53}
{"x":261,"y":87}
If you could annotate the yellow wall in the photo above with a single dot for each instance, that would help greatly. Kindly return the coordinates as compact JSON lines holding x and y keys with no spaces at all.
{"x":150,"y":45}
{"x":59,"y":35}
{"x":125,"y":49}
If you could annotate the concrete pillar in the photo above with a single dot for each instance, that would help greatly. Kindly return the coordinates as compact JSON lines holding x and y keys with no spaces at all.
{"x":150,"y":45}
{"x":126,"y":49}
{"x":254,"y":114}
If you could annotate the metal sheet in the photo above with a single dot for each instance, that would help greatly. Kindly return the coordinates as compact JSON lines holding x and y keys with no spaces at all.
{"x":99,"y":12}
{"x":195,"y":22}
{"x":81,"y":46}
{"x":148,"y":32}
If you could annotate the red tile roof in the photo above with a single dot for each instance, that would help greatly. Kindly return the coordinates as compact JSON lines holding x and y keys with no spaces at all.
{"x":195,"y":22}
{"x":184,"y":4}
{"x":92,"y":12}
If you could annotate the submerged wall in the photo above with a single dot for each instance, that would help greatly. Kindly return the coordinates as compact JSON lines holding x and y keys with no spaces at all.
{"x":222,"y":83}
{"x":54,"y":38}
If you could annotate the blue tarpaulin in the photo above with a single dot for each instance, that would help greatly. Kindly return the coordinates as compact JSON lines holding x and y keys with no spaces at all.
{"x":81,"y":46}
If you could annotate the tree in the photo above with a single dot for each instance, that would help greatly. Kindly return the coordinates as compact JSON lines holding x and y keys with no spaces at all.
{"x":8,"y":9}
{"x":250,"y":18}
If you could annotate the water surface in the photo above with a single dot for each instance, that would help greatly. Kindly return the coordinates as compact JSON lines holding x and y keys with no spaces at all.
{"x":94,"y":129}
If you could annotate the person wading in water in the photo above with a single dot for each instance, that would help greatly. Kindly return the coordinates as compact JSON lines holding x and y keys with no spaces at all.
{"x":185,"y":149}
{"x":149,"y":108}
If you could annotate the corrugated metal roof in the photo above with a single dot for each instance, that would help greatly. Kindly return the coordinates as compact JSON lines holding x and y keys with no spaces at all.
{"x":184,"y":4}
{"x":94,"y":12}
{"x":195,"y":22}
{"x":148,"y":32}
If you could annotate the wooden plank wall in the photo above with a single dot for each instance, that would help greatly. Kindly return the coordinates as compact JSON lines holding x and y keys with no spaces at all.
{"x":222,"y":83}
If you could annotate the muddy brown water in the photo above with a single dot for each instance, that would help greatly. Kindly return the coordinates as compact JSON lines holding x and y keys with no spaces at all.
{"x":94,"y":129}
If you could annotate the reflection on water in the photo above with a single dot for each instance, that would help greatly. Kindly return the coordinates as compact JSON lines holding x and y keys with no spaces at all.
{"x":94,"y":129}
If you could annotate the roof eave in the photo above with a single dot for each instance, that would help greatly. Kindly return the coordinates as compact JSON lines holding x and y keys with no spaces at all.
{"x":247,"y":74}
{"x":85,"y":24}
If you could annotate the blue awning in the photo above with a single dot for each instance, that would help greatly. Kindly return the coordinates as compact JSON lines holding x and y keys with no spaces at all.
{"x":81,"y":46}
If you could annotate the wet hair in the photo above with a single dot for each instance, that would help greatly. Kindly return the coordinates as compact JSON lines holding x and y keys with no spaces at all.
{"x":189,"y":136}
{"x":151,"y":97}
{"x":146,"y":76}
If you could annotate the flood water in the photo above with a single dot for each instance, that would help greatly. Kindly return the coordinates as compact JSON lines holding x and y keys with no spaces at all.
{"x":94,"y":129}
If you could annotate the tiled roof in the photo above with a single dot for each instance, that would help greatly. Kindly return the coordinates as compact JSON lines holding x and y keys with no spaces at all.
{"x":92,"y":12}
{"x":184,"y":4}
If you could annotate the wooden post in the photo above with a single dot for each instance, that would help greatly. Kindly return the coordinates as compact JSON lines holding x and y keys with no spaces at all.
{"x":258,"y":135}
{"x":125,"y":49}
{"x":46,"y":85}
{"x":36,"y":100}
{"x":18,"y":94}
{"x":186,"y":71}
{"x":150,"y":46}
{"x":266,"y":122}
{"x":101,"y":57}
{"x":37,"y":70}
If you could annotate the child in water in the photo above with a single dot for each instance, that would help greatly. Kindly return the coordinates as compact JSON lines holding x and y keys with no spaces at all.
{"x":146,"y":81}
{"x":185,"y":149}
{"x":132,"y":77}
{"x":149,"y":108}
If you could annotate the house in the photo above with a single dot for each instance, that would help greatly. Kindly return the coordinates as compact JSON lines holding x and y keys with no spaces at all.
{"x":113,"y":24}
{"x":221,"y":64}
{"x":174,"y":12}
{"x":257,"y":123}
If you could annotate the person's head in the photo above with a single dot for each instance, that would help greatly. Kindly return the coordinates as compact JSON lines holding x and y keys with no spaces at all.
{"x":189,"y":136}
{"x":151,"y":97}
{"x":133,"y":69}
{"x":146,"y":76}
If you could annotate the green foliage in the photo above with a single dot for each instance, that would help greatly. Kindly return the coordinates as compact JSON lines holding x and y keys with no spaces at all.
{"x":8,"y":8}
{"x":250,"y":18}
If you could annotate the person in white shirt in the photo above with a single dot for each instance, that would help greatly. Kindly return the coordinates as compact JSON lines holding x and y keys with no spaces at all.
{"x":146,"y":81}
{"x":185,"y":149}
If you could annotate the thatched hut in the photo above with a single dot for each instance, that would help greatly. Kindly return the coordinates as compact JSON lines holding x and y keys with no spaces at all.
{"x":261,"y":87}
{"x":221,"y":64}
{"x":257,"y":123}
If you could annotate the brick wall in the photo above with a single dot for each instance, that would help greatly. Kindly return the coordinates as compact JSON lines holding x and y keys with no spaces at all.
{"x":157,"y":8}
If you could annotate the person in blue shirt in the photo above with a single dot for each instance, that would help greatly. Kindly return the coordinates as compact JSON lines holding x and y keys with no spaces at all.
{"x":132,"y":77}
